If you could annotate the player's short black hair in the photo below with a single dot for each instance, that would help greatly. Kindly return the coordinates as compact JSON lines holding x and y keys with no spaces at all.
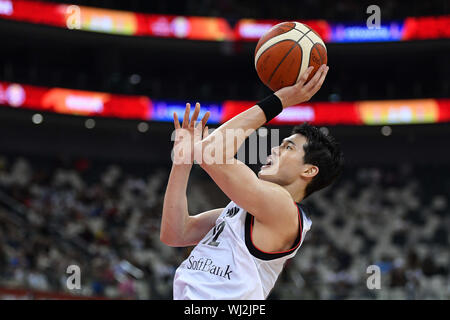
{"x":323,"y":151}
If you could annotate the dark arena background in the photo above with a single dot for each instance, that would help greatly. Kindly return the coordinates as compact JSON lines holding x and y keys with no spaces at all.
{"x":87,"y":92}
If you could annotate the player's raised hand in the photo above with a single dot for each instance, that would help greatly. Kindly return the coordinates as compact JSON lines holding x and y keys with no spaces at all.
{"x":302,"y":91}
{"x":187,"y":134}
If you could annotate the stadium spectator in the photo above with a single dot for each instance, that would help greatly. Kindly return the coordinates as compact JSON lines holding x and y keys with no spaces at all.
{"x":105,"y":219}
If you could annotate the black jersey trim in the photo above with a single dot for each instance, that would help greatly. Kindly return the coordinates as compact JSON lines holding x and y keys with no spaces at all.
{"x":257,"y":253}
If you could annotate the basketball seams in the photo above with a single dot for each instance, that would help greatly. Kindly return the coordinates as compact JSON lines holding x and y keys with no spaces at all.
{"x":302,"y":28}
{"x":322,"y":58}
{"x":318,"y":52}
{"x":306,"y":36}
{"x":274,"y":44}
{"x":267,"y":49}
{"x":315,"y":40}
{"x":302,"y":58}
{"x":312,"y":41}
{"x":296,"y":44}
{"x":307,"y":46}
{"x":269,"y":43}
{"x":288,"y":27}
{"x":276,"y":68}
{"x":308,"y":43}
{"x":287,"y":35}
{"x":299,"y":31}
{"x":319,"y":39}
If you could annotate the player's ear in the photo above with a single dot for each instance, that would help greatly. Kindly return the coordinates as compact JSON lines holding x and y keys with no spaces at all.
{"x":310,"y":171}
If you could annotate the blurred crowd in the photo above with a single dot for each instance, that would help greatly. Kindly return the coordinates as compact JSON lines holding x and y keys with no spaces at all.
{"x":397,"y":219}
{"x":105,"y":219}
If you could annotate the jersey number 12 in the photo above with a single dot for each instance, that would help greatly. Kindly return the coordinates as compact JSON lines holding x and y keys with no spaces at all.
{"x":216,"y":233}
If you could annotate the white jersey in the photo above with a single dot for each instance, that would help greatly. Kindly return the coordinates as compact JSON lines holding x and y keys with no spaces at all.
{"x":226,"y":265}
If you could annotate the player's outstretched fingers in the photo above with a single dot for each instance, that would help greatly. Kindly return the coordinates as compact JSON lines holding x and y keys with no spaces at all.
{"x":205,"y":118}
{"x":195,"y":115}
{"x":176,"y":122}
{"x":187,"y":111}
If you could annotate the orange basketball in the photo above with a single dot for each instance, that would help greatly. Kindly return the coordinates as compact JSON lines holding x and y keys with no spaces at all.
{"x":285,"y":51}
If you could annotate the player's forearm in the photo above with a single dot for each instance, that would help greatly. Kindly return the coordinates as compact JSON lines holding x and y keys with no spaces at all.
{"x":228,"y":138}
{"x":175,"y":208}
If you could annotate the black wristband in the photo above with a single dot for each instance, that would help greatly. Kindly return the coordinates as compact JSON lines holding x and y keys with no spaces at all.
{"x":271,"y":106}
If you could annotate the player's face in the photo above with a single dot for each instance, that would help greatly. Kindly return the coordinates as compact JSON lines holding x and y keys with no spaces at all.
{"x":285,"y":164}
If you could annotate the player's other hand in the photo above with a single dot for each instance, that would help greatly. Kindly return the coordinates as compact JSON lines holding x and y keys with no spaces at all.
{"x":188,"y":134}
{"x":302,"y":91}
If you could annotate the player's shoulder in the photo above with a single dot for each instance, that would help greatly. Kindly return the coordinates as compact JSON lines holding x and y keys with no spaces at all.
{"x":283,"y":198}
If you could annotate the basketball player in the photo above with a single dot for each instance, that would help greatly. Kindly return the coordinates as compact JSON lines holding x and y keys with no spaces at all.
{"x":241,"y":249}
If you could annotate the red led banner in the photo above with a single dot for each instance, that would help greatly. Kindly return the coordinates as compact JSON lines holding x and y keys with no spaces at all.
{"x":426,"y":28}
{"x":316,"y":113}
{"x":90,"y":103}
{"x":210,"y":28}
{"x":252,"y":30}
{"x":116,"y":22}
{"x":76,"y":102}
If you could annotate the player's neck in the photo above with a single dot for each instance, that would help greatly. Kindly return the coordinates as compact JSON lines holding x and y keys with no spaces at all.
{"x":296,"y":190}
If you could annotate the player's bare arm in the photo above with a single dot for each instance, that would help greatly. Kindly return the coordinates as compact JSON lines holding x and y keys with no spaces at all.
{"x":263,"y":199}
{"x":178,"y":227}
